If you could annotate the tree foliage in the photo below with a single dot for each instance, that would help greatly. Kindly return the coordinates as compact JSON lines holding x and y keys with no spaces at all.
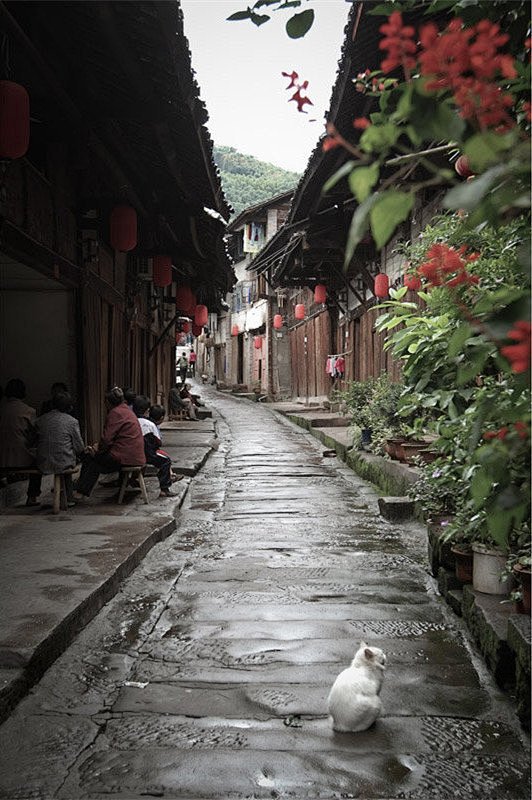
{"x":247,"y":181}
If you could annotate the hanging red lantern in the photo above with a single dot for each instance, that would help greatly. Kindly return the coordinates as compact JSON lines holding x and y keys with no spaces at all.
{"x":320,"y":293}
{"x":382,"y":285}
{"x":14,"y":120}
{"x":201,"y":315}
{"x":257,"y":342}
{"x":185,"y":300}
{"x":186,"y":327}
{"x":235,"y":330}
{"x":197,"y":330}
{"x":300,"y":311}
{"x":123,"y":228}
{"x":162,"y":271}
{"x":412,"y":282}
{"x":277,"y":322}
{"x":463,"y":167}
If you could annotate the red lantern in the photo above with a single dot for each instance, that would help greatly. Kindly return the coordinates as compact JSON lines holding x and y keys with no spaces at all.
{"x":463,"y":167}
{"x":201,"y":315}
{"x":14,"y":120}
{"x":412,"y":282}
{"x":300,"y":311}
{"x":235,"y":330}
{"x":123,"y":228}
{"x":197,"y":330}
{"x":257,"y":342}
{"x":382,"y":284}
{"x":162,"y":271}
{"x":320,"y":293}
{"x":186,"y":327}
{"x":277,"y":322}
{"x":185,"y":300}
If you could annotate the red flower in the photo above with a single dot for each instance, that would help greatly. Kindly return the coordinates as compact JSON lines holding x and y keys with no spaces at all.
{"x":445,"y":265}
{"x":361,"y":123}
{"x":521,"y":429}
{"x":518,"y":354}
{"x":329,"y":143}
{"x":293,"y":78}
{"x":467,"y":61}
{"x":300,"y":100}
{"x":399,"y":42}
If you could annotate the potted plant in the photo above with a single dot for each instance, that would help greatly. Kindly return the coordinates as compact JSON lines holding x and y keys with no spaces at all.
{"x":519,"y":566}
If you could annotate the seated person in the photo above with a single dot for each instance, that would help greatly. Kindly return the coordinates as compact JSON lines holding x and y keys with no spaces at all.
{"x":59,"y":444}
{"x":157,"y":416}
{"x":192,"y":399}
{"x":152,"y":443}
{"x":175,"y":404}
{"x":47,"y":405}
{"x":17,"y":432}
{"x":121,"y":445}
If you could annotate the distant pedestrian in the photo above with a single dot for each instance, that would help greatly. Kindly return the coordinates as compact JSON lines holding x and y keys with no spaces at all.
{"x":192,"y":361}
{"x":182,"y":367}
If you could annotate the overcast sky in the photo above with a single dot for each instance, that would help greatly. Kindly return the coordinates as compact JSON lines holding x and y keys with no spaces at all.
{"x":238,"y":68}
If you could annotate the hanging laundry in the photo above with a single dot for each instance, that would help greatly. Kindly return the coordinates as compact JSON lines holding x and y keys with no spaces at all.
{"x":340,"y":367}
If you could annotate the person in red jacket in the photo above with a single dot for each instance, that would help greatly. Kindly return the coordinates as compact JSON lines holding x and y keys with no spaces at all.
{"x":122,"y":444}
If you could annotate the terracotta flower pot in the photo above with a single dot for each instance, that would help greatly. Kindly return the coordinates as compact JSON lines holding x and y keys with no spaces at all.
{"x":412,"y":449}
{"x":463,"y":560}
{"x":393,"y":447}
{"x":522,"y":574}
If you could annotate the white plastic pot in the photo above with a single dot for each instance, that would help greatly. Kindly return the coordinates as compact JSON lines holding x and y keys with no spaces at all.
{"x":488,"y":563}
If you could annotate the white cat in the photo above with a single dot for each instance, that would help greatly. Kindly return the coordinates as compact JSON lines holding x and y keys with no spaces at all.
{"x":354,"y":703}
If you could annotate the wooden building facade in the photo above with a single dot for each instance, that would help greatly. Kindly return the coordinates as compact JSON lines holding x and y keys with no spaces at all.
{"x":116,"y":120}
{"x":309,"y":249}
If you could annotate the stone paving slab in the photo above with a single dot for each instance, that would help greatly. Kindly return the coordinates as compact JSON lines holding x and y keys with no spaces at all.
{"x":174,"y":773}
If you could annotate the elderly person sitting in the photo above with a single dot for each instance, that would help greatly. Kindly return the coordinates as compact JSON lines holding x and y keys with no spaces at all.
{"x":122,"y":444}
{"x":59,"y":444}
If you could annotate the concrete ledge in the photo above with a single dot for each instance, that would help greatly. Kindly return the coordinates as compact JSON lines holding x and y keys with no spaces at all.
{"x":487,"y":619}
{"x":519,"y":640}
{"x":396,"y":508}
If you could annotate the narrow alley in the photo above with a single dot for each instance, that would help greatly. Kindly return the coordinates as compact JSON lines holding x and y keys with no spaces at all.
{"x":207,"y":675}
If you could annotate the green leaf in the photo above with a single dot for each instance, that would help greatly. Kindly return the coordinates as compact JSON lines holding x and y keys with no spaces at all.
{"x":261,"y":3}
{"x":298,"y":25}
{"x":290,"y":4}
{"x":391,"y":208}
{"x":398,"y":294}
{"x":259,"y":19}
{"x":468,"y":195}
{"x":444,"y":123}
{"x":480,"y":487}
{"x":378,"y":138}
{"x":458,"y":339}
{"x":404,"y":105}
{"x":362,"y":181}
{"x":238,"y":15}
{"x":499,"y":525}
{"x":344,"y":170}
{"x":484,"y":149}
{"x":359,"y":226}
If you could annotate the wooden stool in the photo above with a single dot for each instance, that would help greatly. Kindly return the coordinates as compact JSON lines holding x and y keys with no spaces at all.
{"x":60,"y":496}
{"x":128,"y":473}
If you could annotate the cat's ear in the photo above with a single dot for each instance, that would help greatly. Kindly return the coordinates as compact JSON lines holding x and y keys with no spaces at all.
{"x":369,"y":655}
{"x":363,"y":644}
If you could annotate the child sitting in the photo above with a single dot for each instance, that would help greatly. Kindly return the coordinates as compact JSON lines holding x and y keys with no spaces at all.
{"x":152,"y":443}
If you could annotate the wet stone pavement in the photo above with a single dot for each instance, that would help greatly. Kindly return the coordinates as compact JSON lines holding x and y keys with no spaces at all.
{"x":207,"y":675}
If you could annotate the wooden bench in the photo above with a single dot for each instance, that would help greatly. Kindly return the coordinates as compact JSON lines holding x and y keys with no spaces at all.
{"x":132,"y":472}
{"x":177,"y":416}
{"x":59,"y":491}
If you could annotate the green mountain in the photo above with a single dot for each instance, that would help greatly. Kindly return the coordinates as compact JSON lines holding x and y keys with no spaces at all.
{"x":247,"y":181}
